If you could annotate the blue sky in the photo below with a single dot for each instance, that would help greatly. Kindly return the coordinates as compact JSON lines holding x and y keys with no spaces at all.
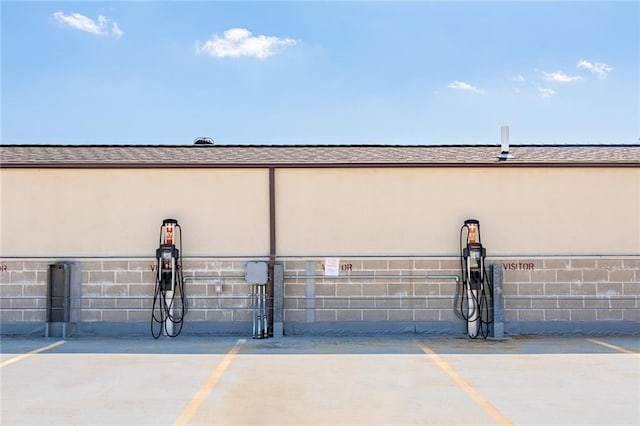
{"x":320,"y":72}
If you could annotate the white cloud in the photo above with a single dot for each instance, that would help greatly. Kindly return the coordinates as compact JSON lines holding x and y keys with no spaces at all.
{"x":238,"y":42}
{"x":545,"y":92}
{"x":102,"y":27}
{"x":560,"y":77}
{"x":461,"y":85}
{"x":518,"y":77}
{"x":599,"y":69}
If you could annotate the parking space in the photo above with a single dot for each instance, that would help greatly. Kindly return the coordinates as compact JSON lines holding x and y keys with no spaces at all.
{"x":320,"y":380}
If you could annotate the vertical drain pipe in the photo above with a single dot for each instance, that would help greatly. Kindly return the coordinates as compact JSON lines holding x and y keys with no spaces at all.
{"x":272,"y":247}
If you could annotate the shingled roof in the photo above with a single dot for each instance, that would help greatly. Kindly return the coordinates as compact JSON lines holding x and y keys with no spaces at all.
{"x":209,"y":156}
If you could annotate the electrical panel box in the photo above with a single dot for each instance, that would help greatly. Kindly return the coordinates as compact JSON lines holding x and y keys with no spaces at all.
{"x":256,"y":273}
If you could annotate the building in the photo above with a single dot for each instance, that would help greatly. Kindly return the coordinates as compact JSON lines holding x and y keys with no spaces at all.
{"x":561,"y":223}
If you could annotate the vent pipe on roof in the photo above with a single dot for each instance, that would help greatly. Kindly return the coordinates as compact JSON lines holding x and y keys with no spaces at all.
{"x":203,"y":141}
{"x":504,"y":144}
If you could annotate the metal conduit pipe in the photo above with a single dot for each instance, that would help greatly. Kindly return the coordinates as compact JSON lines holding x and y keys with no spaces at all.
{"x":367,"y":276}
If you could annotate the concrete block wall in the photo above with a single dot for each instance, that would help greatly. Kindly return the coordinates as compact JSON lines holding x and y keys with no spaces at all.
{"x":537,"y":291}
{"x":571,"y":289}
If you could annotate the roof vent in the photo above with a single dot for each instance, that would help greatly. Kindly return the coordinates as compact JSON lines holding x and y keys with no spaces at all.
{"x":203,"y":141}
{"x":504,"y":144}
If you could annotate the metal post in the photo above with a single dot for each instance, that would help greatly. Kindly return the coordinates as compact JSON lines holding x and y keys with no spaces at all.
{"x":497,"y":275}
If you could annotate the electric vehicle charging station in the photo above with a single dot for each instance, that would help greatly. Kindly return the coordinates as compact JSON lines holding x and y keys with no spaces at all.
{"x":168,"y":300}
{"x":257,"y":275}
{"x":475,"y":293}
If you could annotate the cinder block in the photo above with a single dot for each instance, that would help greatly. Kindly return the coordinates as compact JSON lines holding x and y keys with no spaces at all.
{"x":609,"y":314}
{"x":543,"y":275}
{"x":92,"y":290}
{"x":403,"y":265}
{"x":349,"y":315}
{"x":34,"y":315}
{"x":440,"y":303}
{"x":449,"y":264}
{"x":631,"y":288}
{"x":23,"y":303}
{"x":540,"y":303}
{"x":103,"y":303}
{"x":583,"y":263}
{"x":375,"y":265}
{"x":138,"y":315}
{"x":374,"y":289}
{"x":142,"y":290}
{"x":426,"y":265}
{"x":140,"y":265}
{"x":349,"y":289}
{"x":6,"y":316}
{"x":623,"y":275}
{"x":362,"y":303}
{"x":427,"y":315}
{"x":115,"y":290}
{"x":122,"y":303}
{"x":291,"y":266}
{"x":583,"y":315}
{"x":113,"y":315}
{"x":557,"y":314}
{"x":631,"y":314}
{"x":510,"y":315}
{"x":609,"y":263}
{"x":400,"y":289}
{"x":388,"y":302}
{"x":595,"y":275}
{"x":100,"y":277}
{"x":596,"y":303}
{"x":447,"y":315}
{"x":400,"y":315}
{"x":427,"y":289}
{"x":517,"y":276}
{"x":23,"y":277}
{"x":336,"y":303}
{"x":128,"y":277}
{"x":91,"y":265}
{"x":609,"y":289}
{"x":414,"y":303}
{"x":631,"y":263}
{"x":556,"y":263}
{"x":531,"y":315}
{"x":623,"y":302}
{"x":34,"y":290}
{"x":91,"y":315}
{"x":194,"y":265}
{"x":321,"y":315}
{"x":574,"y":303}
{"x":531,"y":289}
{"x":375,"y":315}
{"x":517,"y":303}
{"x":10,"y":290}
{"x":569,"y":276}
{"x":115,"y":265}
{"x":586,"y":289}
{"x":557,"y":289}
{"x":295,"y":290}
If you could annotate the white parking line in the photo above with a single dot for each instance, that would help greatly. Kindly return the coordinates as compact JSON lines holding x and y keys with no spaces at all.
{"x":28,"y":354}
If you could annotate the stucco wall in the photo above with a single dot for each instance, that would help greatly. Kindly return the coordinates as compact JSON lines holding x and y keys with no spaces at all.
{"x":523,"y":211}
{"x":119,"y":212}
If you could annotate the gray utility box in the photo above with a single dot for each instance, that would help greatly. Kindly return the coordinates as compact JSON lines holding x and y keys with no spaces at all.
{"x":256,"y":273}
{"x":58,"y":300}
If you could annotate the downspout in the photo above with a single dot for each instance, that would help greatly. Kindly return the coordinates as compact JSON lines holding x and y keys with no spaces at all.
{"x":272,"y":247}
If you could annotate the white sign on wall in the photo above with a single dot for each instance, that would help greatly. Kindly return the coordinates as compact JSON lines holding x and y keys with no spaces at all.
{"x":332,"y":266}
